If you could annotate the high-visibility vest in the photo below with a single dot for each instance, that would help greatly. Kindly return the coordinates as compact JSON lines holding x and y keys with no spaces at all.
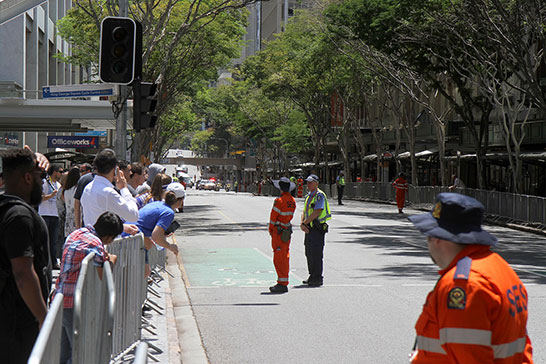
{"x":308,"y":209}
{"x":400,"y":184}
{"x":282,"y":211}
{"x":341,"y":181}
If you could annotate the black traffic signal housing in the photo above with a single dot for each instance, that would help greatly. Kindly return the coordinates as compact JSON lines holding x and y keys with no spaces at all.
{"x":118,"y":43}
{"x":144,"y":104}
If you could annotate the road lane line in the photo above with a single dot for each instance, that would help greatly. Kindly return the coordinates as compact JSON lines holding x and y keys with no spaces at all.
{"x":270,"y":259}
{"x":181,"y":265}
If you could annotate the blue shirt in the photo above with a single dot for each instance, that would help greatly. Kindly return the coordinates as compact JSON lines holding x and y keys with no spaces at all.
{"x":152,"y":215}
{"x":319,"y":201}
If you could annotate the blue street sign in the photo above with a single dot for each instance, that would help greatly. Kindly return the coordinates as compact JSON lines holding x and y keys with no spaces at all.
{"x":98,"y":133}
{"x":83,"y":90}
{"x":72,"y":142}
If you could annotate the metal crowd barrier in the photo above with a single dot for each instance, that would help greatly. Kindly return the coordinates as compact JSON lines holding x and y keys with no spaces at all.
{"x":141,"y":355}
{"x":130,"y":283}
{"x":530,"y":209}
{"x":94,"y":301}
{"x":47,"y":348}
{"x":157,"y":257}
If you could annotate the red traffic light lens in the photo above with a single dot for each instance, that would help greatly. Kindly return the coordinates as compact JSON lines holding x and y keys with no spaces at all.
{"x":119,"y":34}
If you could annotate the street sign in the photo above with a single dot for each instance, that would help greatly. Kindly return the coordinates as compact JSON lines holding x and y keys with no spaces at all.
{"x":83,"y":90}
{"x":93,"y":133}
{"x":73,"y":142}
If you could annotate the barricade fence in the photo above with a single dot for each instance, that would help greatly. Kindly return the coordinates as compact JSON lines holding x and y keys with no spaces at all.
{"x":107,"y":312}
{"x":47,"y":348}
{"x":524,"y":208}
{"x":94,"y":303}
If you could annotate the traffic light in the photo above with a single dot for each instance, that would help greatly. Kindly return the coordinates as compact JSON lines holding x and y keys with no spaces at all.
{"x":117,"y":50}
{"x":144,"y":103}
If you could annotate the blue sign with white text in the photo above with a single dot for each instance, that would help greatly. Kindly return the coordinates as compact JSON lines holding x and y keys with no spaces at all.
{"x":72,"y":142}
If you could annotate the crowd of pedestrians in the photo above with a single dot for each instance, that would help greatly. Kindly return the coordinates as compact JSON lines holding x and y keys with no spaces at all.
{"x":74,"y":212}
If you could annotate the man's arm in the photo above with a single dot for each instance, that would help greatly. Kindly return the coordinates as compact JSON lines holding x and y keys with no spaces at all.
{"x":123,"y":205}
{"x":28,"y":285}
{"x":158,"y":236}
{"x":77,"y":214}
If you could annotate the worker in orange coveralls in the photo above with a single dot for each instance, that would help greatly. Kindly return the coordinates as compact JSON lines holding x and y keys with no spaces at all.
{"x":280,"y":230}
{"x":477,"y":312}
{"x":401,"y":186}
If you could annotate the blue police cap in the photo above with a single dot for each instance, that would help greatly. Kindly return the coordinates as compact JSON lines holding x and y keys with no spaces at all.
{"x":456,"y":218}
{"x":312,"y":178}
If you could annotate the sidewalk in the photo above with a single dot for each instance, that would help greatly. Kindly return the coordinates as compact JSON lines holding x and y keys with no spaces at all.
{"x":172,"y":327}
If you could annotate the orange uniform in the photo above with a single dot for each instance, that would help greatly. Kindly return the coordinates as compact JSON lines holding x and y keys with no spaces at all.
{"x":281,"y":215}
{"x":300,"y":187}
{"x":476,"y":314}
{"x":401,"y":186}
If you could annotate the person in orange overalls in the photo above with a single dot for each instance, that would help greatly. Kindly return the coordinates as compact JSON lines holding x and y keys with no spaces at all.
{"x":401,"y":186}
{"x":280,"y":230}
{"x":300,"y":187}
{"x":477,"y":312}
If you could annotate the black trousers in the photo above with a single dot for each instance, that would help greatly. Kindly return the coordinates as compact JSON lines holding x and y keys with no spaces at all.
{"x":340,"y":194}
{"x":314,"y":251}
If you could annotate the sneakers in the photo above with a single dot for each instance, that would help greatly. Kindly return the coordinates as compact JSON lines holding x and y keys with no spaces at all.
{"x":278,"y":288}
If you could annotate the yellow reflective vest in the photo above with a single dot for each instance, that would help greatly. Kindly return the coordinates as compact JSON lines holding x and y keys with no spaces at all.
{"x":309,"y":207}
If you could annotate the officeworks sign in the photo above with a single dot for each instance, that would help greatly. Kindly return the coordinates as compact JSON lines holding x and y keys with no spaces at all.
{"x":72,"y":142}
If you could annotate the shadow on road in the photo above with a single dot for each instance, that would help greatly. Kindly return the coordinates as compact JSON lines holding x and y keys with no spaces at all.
{"x":525,"y":251}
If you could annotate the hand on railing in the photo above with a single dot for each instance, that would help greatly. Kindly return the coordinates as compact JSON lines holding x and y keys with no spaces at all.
{"x":130,"y":229}
{"x":173,"y":248}
{"x":112,"y":258}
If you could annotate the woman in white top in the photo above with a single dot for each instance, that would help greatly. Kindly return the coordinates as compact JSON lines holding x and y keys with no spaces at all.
{"x":68,"y":196}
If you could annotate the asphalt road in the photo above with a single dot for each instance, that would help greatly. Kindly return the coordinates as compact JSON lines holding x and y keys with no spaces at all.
{"x":377,"y":275}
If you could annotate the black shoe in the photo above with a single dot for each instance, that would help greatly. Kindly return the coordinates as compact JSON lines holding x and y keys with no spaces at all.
{"x":314,"y":283}
{"x":278,"y":288}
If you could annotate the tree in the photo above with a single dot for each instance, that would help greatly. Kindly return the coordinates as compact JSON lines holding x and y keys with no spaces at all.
{"x":185,"y":42}
{"x":422,"y":37}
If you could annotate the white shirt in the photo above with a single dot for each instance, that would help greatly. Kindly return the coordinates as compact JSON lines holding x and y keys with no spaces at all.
{"x":100,"y":196}
{"x":49,"y":207}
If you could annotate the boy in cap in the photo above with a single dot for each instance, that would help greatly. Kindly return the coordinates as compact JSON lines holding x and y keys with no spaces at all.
{"x":280,"y":230}
{"x":477,"y":312}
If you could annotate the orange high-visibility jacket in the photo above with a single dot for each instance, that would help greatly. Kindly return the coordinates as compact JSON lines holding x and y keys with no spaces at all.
{"x":400,"y":184}
{"x":282,"y":212}
{"x":476,"y":314}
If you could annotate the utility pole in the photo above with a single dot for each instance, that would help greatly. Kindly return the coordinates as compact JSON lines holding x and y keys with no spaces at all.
{"x":120,"y":145}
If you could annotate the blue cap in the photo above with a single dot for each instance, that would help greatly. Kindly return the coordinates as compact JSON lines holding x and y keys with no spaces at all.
{"x":456,"y":218}
{"x":312,"y":178}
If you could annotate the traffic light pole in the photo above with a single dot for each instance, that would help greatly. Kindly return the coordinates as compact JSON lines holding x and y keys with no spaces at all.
{"x":120,"y":145}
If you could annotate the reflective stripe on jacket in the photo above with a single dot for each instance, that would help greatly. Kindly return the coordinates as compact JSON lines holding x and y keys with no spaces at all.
{"x":309,"y":206}
{"x":477,"y":313}
{"x":282,"y":211}
{"x":400,"y":184}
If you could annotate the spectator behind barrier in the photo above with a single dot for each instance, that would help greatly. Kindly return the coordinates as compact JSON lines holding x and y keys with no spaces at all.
{"x":80,"y":243}
{"x":153,"y":170}
{"x":86,"y":176}
{"x":25,"y":272}
{"x":100,"y":196}
{"x":69,"y":189}
{"x":136,"y":178}
{"x":157,"y":193}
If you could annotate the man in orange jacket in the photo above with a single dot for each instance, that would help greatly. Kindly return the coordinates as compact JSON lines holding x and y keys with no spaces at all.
{"x":477,"y":312}
{"x":280,"y":230}
{"x":401,"y":186}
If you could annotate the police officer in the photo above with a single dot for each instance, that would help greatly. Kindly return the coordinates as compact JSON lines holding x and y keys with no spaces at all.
{"x":316,"y":212}
{"x":340,"y":182}
{"x":477,"y":312}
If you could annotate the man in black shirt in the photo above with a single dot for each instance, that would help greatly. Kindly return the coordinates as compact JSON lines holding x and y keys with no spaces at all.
{"x":25,"y":268}
{"x":85,"y":178}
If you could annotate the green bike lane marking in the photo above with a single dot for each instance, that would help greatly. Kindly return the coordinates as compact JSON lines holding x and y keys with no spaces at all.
{"x":229,"y":267}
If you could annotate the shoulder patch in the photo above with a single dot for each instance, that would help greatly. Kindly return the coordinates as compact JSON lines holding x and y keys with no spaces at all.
{"x":456,"y":299}
{"x":463,"y":268}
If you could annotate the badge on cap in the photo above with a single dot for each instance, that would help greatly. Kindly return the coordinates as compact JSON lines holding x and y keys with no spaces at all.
{"x":437,"y":210}
{"x":456,"y":299}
